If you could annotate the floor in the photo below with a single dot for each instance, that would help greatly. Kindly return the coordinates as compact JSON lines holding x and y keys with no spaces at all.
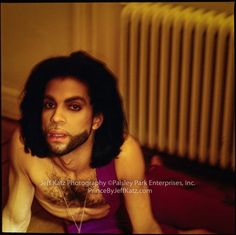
{"x":44,"y":222}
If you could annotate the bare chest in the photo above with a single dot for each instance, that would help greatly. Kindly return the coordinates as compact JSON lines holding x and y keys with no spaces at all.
{"x":57,"y":188}
{"x":60,"y":190}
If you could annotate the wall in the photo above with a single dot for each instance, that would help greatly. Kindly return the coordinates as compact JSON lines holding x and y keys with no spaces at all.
{"x":30,"y":32}
{"x":34,"y":31}
{"x":96,"y":28}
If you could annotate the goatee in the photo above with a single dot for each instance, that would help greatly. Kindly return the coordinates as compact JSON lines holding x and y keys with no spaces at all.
{"x":74,"y":143}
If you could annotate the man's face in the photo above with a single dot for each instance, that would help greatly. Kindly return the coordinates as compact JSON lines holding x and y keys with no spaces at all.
{"x":67,"y":116}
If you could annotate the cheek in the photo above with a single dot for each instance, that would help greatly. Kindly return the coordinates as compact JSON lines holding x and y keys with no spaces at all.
{"x":45,"y":117}
{"x":83,"y":121}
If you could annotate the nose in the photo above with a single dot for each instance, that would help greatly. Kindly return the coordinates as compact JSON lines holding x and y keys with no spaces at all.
{"x":58,"y":116}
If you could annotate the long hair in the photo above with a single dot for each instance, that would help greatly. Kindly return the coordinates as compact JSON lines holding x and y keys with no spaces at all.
{"x":104,"y":96}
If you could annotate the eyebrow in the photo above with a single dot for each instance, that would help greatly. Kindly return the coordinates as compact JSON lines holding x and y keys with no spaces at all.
{"x":68,"y":100}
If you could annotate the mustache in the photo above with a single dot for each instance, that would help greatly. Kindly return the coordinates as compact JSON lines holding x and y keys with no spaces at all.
{"x":56,"y":128}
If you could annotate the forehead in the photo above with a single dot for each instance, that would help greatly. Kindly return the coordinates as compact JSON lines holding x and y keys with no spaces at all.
{"x":65,"y":87}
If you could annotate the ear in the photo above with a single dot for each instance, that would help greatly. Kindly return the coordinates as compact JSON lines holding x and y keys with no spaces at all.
{"x":97,"y":121}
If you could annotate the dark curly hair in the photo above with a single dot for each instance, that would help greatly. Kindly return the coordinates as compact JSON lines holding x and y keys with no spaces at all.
{"x":104,"y":96}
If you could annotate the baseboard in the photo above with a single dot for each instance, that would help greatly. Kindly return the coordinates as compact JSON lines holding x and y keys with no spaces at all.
{"x":10,"y":103}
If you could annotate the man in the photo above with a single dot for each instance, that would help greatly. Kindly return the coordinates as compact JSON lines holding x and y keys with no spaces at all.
{"x":72,"y":149}
{"x":73,"y":153}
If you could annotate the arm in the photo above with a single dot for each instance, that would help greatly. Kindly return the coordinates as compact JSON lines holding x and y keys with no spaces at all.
{"x":17,"y":212}
{"x":130,"y":166}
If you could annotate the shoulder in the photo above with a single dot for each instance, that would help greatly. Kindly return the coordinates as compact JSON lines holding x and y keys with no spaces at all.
{"x":16,"y":140}
{"x":131,"y":149}
{"x":18,"y":157}
{"x":130,"y":162}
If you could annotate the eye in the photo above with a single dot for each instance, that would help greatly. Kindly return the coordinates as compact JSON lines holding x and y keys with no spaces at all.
{"x":75,"y":107}
{"x":48,"y":105}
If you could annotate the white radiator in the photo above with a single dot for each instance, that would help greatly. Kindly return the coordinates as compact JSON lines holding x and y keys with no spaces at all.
{"x":177,"y":80}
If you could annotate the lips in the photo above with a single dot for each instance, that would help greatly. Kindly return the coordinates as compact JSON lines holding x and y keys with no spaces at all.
{"x":56,"y":136}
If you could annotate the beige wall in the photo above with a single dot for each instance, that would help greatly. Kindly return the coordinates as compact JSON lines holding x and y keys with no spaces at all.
{"x":96,"y":28}
{"x":31,"y":32}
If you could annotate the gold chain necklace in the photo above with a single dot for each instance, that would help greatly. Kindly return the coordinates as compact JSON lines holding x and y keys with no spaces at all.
{"x":68,"y":208}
